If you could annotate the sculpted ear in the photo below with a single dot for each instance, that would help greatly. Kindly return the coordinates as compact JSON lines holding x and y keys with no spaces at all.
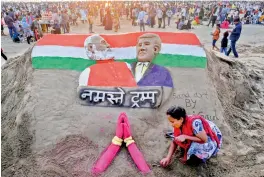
{"x":156,"y":49}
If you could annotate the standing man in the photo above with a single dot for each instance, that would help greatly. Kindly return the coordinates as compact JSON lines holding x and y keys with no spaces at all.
{"x":101,"y":14}
{"x":10,"y":24}
{"x":159,"y":15}
{"x":169,"y":15}
{"x":141,"y":19}
{"x":36,"y":28}
{"x":164,"y":11}
{"x":64,"y":21}
{"x":223,"y":14}
{"x":235,"y":34}
{"x":90,"y":21}
{"x":183,"y":12}
{"x":12,"y":14}
{"x":152,"y":14}
{"x":213,"y":17}
{"x":134,"y":16}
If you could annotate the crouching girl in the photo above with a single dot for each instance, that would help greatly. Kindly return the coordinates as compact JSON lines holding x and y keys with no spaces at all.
{"x":198,"y":138}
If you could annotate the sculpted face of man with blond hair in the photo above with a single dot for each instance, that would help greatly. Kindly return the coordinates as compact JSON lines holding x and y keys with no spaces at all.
{"x":145,"y":72}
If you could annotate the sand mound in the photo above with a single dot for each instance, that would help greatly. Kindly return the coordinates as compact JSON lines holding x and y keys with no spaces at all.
{"x":240,"y":89}
{"x":45,"y":132}
{"x":17,"y":117}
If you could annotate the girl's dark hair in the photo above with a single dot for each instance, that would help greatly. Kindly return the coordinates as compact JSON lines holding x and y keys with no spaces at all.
{"x":226,"y":34}
{"x":177,"y":112}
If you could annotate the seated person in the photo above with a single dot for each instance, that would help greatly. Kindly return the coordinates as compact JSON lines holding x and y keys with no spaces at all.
{"x":16,"y":25}
{"x":16,"y":38}
{"x":187,"y":25}
{"x":180,"y":25}
{"x":197,"y":20}
{"x":225,"y":24}
{"x":26,"y":30}
{"x":56,"y":28}
{"x":198,"y":138}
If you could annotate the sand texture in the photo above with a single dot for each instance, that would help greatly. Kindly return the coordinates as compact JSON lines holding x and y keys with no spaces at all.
{"x":47,"y":133}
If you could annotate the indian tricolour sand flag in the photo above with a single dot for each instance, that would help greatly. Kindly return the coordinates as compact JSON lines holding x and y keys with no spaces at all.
{"x":68,"y":52}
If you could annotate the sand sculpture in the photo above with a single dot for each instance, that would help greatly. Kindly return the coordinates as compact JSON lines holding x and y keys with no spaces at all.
{"x":107,"y":70}
{"x":123,"y":133}
{"x":46,"y":132}
{"x":127,"y":70}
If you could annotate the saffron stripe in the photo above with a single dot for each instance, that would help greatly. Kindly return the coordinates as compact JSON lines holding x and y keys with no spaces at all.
{"x":119,"y":40}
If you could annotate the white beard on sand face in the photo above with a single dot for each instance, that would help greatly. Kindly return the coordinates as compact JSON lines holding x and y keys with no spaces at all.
{"x":100,"y":55}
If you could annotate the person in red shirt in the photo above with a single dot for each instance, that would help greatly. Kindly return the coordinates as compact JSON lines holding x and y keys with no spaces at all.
{"x":198,"y":138}
{"x":216,"y":35}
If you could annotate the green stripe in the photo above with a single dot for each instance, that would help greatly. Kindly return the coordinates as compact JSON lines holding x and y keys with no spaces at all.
{"x":181,"y":61}
{"x":79,"y":64}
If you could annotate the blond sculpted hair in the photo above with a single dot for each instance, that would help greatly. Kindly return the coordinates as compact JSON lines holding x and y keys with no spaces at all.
{"x":155,"y":37}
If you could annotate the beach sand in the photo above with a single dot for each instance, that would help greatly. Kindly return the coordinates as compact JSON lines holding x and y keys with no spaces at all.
{"x":45,"y":132}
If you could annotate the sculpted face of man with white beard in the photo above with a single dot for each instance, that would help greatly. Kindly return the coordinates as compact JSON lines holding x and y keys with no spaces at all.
{"x":105,"y":72}
{"x":97,"y":48}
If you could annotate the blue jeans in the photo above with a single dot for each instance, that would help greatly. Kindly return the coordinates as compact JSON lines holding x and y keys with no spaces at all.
{"x":214,"y":41}
{"x":223,"y":49}
{"x":12,"y":30}
{"x":233,"y":48}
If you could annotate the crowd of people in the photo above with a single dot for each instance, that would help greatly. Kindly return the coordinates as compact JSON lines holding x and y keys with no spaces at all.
{"x":28,"y":21}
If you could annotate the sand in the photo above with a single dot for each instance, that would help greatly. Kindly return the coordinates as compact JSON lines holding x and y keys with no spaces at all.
{"x":45,"y":132}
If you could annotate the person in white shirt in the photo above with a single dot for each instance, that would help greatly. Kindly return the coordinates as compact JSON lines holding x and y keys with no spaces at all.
{"x":55,"y":16}
{"x":231,"y":14}
{"x":236,"y":14}
{"x":183,"y":13}
{"x":141,"y":19}
{"x":159,"y":15}
{"x":169,"y":15}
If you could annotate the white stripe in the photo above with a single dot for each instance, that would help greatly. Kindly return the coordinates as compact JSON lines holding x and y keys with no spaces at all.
{"x":83,"y":79}
{"x":119,"y":53}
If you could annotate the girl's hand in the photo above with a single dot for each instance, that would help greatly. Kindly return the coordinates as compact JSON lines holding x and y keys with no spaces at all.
{"x":165,"y":162}
{"x":180,"y":138}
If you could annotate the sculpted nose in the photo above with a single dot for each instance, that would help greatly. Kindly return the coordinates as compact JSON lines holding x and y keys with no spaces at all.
{"x":142,"y":48}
